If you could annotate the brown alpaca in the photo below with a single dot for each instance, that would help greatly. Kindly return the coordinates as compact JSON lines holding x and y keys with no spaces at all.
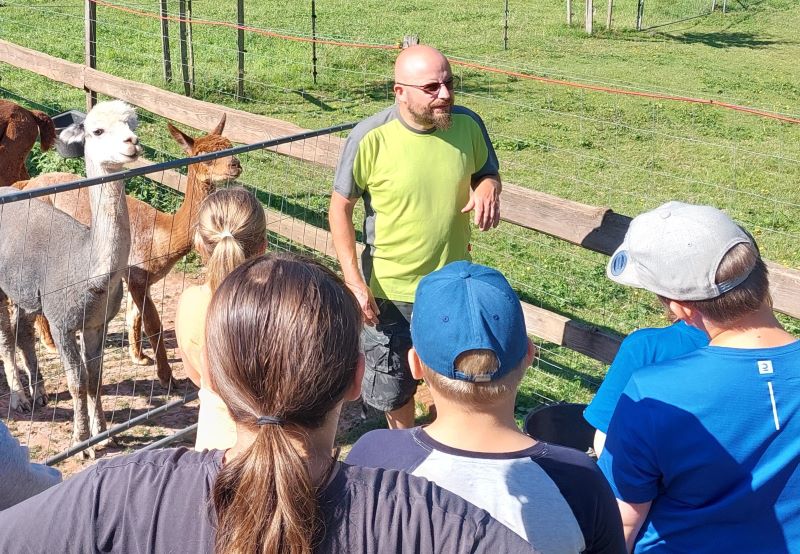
{"x":158,"y":240}
{"x":18,"y":131}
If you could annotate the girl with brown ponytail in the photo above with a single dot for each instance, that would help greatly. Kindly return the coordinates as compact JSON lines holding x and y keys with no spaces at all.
{"x":282,"y":341}
{"x":231,"y":227}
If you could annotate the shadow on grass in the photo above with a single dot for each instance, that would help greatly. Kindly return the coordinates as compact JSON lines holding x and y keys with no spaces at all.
{"x":314,"y":100}
{"x":724,"y":39}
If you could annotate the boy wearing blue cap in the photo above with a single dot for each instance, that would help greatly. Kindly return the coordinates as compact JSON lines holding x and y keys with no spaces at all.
{"x":471,"y":347}
{"x":703,"y":450}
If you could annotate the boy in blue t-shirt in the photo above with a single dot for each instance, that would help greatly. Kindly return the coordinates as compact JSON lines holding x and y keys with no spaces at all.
{"x":703,"y":450}
{"x":640,"y":349}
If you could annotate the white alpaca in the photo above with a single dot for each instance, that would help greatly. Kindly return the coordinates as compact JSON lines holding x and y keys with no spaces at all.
{"x":51,"y":264}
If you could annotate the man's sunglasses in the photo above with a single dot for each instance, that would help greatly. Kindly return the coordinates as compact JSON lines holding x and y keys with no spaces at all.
{"x":431,"y":88}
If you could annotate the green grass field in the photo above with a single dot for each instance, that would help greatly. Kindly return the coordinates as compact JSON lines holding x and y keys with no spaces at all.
{"x":627,"y":153}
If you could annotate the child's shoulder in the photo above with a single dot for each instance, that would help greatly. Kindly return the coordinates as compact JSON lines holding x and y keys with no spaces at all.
{"x":195,"y":295}
{"x":194,"y":301}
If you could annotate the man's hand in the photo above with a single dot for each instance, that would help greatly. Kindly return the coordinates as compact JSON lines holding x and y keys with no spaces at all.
{"x":485,"y":200}
{"x":367,"y":302}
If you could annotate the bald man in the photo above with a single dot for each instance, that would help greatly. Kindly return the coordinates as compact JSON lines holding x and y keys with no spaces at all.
{"x":421,"y":167}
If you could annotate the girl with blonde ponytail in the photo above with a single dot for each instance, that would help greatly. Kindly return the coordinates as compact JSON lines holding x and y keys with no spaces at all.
{"x":282,"y":343}
{"x":231,"y":227}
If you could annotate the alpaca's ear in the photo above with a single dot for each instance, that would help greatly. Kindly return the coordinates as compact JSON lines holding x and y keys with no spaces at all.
{"x":220,"y":126}
{"x":72,"y":134}
{"x":186,"y":142}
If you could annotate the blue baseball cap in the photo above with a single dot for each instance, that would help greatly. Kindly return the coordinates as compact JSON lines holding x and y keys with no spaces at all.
{"x":465,"y":306}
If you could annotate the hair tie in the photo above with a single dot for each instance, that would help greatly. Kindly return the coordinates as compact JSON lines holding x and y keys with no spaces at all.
{"x":268,"y":420}
{"x":224,"y":234}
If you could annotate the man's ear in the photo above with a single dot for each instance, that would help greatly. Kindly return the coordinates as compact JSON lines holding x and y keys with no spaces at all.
{"x":415,"y":364}
{"x":354,"y":391}
{"x":399,"y":93}
{"x":531,"y":354}
{"x":686,"y":312}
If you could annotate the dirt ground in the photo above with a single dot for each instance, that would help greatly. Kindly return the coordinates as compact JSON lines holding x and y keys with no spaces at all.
{"x":128,"y":391}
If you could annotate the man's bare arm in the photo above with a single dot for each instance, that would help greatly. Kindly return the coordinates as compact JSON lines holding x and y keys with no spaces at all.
{"x":340,"y":218}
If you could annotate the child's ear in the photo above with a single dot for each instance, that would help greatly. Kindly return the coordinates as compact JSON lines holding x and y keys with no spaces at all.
{"x":687,"y":313}
{"x":414,"y":364}
{"x":531,"y":354}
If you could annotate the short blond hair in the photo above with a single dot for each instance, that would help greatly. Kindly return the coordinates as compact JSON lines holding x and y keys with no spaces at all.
{"x":474,"y":363}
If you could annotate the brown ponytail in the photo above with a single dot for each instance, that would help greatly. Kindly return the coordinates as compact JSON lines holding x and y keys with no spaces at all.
{"x":283,"y":341}
{"x":231,"y":227}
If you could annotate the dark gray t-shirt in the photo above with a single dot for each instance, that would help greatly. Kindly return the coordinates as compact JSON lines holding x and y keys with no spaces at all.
{"x":159,"y":501}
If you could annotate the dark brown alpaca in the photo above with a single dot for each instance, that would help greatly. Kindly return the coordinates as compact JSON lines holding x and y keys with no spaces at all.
{"x":18,"y":131}
{"x":158,"y":240}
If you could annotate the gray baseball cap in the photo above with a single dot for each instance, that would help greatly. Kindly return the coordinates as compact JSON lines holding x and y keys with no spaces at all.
{"x":675,"y":251}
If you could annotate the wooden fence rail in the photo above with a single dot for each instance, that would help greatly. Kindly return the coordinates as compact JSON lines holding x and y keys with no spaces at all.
{"x":595,"y":228}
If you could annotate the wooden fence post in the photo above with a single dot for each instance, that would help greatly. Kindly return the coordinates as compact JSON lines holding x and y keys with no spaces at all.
{"x":165,"y":42}
{"x":410,"y":40}
{"x":639,"y":15}
{"x":569,"y":12}
{"x":609,"y":16}
{"x":187,"y":84}
{"x":191,"y":41}
{"x":90,"y":46}
{"x":589,"y":16}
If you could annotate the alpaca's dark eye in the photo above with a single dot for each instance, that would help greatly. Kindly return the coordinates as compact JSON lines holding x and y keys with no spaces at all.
{"x":97,"y":132}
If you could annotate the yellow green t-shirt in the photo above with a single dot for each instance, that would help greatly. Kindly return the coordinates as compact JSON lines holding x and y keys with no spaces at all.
{"x":414,"y":185}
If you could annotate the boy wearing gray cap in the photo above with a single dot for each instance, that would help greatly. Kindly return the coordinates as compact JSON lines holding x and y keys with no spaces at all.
{"x":703,"y":450}
{"x":471,"y":347}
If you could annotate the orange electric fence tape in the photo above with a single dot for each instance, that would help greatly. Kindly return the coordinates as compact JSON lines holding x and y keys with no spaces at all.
{"x":471,"y":65}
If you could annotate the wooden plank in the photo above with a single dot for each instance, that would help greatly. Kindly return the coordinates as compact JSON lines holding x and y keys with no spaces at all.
{"x":784,"y":285}
{"x":241,"y":126}
{"x":580,"y":337}
{"x":602,"y":230}
{"x":571,"y":221}
{"x":48,"y":66}
{"x":303,"y":233}
{"x":168,"y":177}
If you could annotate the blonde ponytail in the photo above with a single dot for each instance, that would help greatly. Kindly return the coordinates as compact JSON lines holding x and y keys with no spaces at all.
{"x":231,"y":227}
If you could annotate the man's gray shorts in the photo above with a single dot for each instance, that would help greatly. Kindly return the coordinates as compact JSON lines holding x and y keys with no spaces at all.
{"x":388,"y":383}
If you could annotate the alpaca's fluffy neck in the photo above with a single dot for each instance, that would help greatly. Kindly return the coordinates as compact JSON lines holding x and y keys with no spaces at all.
{"x":110,"y":229}
{"x":186,"y":216}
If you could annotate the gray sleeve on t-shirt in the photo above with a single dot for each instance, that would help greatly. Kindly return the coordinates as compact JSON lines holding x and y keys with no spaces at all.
{"x":492,"y":165}
{"x":375,"y":511}
{"x":343,"y":181}
{"x":20,"y":479}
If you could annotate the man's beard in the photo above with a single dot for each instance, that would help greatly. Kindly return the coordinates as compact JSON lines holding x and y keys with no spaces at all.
{"x":426,"y":116}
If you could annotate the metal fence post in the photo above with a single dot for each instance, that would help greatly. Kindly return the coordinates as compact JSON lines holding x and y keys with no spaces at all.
{"x":240,"y":43}
{"x":90,"y":46}
{"x":314,"y":40}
